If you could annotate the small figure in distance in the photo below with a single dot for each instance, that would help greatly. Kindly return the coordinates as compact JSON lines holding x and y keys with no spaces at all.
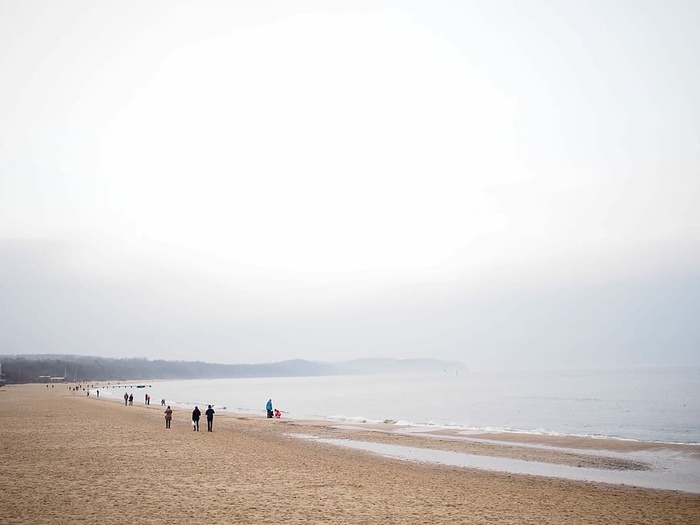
{"x":195,"y":418}
{"x":278,"y":414}
{"x":131,"y":399}
{"x":168,"y":416}
{"x":268,"y":407}
{"x":126,"y":399}
{"x":210,"y":418}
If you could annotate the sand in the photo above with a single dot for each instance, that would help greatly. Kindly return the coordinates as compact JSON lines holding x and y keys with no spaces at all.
{"x":69,"y":458}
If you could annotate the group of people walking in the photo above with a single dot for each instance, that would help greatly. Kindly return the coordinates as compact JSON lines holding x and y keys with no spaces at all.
{"x":195,"y":418}
{"x":209,"y":413}
{"x":196,"y":413}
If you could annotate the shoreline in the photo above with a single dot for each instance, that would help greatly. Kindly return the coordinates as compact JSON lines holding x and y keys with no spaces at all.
{"x":64,"y":450}
{"x":583,"y":452}
{"x":505,"y":434}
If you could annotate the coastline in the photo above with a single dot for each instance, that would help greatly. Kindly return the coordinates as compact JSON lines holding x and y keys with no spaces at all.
{"x":70,"y":457}
{"x":585,"y":408}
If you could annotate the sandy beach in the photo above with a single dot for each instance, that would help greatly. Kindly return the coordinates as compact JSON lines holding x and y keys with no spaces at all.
{"x":70,"y":458}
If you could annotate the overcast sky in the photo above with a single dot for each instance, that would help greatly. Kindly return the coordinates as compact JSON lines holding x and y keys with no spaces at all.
{"x":507,"y":184}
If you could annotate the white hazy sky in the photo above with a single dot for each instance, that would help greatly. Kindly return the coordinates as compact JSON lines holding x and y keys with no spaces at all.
{"x":508,"y":184}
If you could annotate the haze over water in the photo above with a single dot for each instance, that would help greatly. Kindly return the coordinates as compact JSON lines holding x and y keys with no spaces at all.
{"x":660,"y":404}
{"x":512,"y":185}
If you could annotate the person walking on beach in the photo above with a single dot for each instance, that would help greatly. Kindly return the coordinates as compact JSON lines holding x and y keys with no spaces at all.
{"x":126,"y":399}
{"x":210,"y":418}
{"x":131,"y":399}
{"x":168,"y":416}
{"x":268,"y":407}
{"x":195,"y":418}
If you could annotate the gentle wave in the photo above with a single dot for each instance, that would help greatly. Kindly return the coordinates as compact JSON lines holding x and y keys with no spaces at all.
{"x":660,"y":405}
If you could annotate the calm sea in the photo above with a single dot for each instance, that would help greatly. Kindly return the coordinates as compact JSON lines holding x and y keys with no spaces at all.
{"x":652,"y":404}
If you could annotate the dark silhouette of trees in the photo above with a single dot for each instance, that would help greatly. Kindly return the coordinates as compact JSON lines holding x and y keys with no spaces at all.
{"x":71,"y":368}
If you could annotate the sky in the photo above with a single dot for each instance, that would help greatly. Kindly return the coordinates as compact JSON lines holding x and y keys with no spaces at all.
{"x":509,"y":184}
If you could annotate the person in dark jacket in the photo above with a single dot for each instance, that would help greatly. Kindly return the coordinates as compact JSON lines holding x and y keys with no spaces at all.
{"x":268,"y":407}
{"x":168,"y":416}
{"x":195,"y":419}
{"x":210,"y":418}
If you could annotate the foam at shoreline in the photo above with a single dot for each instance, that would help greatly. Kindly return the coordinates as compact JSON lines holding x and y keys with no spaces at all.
{"x":69,"y":458}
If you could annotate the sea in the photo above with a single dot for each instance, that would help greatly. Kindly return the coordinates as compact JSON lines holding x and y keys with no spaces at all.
{"x":642,"y":404}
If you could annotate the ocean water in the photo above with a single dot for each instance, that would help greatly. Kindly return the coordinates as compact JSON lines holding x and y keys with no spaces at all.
{"x":651,"y":404}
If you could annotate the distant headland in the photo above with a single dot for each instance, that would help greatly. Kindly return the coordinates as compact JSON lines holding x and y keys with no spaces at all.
{"x":52,"y":368}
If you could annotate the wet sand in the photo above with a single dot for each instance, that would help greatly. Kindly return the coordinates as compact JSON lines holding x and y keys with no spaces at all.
{"x":69,"y":458}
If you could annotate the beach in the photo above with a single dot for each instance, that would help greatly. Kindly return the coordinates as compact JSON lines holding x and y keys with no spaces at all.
{"x":71,"y":458}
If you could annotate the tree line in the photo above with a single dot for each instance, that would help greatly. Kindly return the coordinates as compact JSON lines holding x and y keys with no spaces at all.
{"x":45,"y":369}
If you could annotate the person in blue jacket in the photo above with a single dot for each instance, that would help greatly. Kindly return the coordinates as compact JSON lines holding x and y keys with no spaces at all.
{"x":268,"y":407}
